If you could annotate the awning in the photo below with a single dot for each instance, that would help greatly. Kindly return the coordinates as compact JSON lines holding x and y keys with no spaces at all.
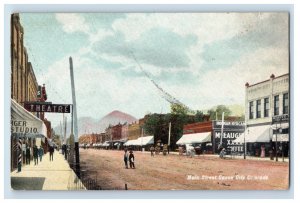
{"x":280,"y":125}
{"x":194,"y":138}
{"x":23,"y":123}
{"x":261,"y":133}
{"x":131,"y":142}
{"x":280,"y":138}
{"x":145,"y":140}
{"x":105,"y":144}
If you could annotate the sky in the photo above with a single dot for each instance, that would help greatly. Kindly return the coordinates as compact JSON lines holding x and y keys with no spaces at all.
{"x":201,"y":59}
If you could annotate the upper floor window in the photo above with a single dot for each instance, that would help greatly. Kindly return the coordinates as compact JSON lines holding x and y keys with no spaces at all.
{"x":285,"y":103}
{"x":251,"y":110}
{"x":266,"y":107}
{"x":258,"y":109}
{"x":276,"y":105}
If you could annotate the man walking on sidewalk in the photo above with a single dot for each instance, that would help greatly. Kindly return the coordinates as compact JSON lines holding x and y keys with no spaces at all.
{"x":27,"y":154}
{"x":51,"y":151}
{"x":41,"y":153}
{"x":35,"y":155}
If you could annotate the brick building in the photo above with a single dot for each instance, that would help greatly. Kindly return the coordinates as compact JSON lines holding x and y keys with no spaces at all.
{"x":134,"y":131}
{"x":124,"y":132}
{"x":23,"y":81}
{"x":116,"y":132}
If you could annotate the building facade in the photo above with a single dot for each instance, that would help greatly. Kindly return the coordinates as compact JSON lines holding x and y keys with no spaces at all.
{"x":267,"y":114}
{"x":23,"y":81}
{"x":134,"y":131}
{"x":124,"y":133}
{"x":117,"y":132}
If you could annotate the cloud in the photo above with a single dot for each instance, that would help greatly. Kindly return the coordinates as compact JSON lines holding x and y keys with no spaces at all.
{"x":72,"y":22}
{"x":272,"y":31}
{"x":157,"y":47}
{"x":100,"y":90}
{"x":202,"y":59}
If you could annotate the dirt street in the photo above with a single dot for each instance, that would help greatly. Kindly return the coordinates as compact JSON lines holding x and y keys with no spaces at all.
{"x":174,"y":172}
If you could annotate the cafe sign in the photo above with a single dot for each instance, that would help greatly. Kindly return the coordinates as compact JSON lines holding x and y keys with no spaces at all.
{"x":280,"y":118}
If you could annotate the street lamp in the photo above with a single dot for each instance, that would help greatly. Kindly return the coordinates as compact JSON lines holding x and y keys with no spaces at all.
{"x":276,"y":150}
{"x":280,"y":131}
{"x":245,"y":142}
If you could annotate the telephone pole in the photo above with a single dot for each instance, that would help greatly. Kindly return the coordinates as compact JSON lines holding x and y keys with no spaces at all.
{"x":169,"y":137}
{"x":74,"y":113}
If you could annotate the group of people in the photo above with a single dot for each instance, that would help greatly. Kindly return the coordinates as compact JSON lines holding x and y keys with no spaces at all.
{"x":129,"y":157}
{"x":37,"y":153}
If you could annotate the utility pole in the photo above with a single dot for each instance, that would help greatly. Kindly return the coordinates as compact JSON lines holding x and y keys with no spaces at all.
{"x":169,"y":138}
{"x":64,"y":132}
{"x":222,"y":129}
{"x":74,"y":112}
{"x":61,"y":135}
{"x":142,"y":139}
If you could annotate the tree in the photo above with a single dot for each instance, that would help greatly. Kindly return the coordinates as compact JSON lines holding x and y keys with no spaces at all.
{"x":199,"y":117}
{"x":216,"y":114}
{"x":178,"y":109}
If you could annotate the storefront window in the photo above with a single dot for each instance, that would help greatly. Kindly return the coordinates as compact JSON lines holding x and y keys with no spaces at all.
{"x":266,"y":107}
{"x":285,"y":103}
{"x":276,"y":105}
{"x":258,"y":109}
{"x":251,"y":112}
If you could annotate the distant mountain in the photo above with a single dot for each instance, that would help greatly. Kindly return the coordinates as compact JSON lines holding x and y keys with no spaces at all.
{"x":113,"y":118}
{"x":87,"y":125}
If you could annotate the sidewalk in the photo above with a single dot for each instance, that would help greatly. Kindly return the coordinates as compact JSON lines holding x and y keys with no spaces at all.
{"x":47,"y":175}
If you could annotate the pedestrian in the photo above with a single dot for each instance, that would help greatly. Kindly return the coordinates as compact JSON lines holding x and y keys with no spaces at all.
{"x":223,"y":153}
{"x":27,"y":155}
{"x":152,"y":150}
{"x":126,"y":157}
{"x":24,"y":153}
{"x":35,"y":155}
{"x":262,"y":151}
{"x":180,"y":150}
{"x":131,"y":159}
{"x":51,"y":151}
{"x":41,"y":153}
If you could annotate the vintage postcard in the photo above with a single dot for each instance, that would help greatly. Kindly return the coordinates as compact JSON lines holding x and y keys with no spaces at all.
{"x":150,"y":101}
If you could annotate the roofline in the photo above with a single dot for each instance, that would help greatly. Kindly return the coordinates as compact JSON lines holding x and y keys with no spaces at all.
{"x":268,"y":80}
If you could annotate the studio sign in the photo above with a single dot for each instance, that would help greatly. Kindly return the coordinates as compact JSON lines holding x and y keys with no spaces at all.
{"x":50,"y":108}
{"x":23,"y":127}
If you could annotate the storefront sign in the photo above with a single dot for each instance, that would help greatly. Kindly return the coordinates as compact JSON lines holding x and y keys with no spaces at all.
{"x":25,"y":127}
{"x":230,"y":125}
{"x":49,"y":108}
{"x":280,"y":118}
{"x":39,"y":92}
{"x":231,"y":131}
{"x":227,"y":140}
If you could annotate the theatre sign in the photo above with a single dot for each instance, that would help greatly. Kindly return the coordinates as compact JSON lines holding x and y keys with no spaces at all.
{"x":48,"y":108}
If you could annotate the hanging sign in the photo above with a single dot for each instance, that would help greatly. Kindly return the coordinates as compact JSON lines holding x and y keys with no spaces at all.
{"x":49,"y":108}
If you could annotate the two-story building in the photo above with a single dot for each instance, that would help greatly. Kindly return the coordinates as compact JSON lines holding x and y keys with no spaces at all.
{"x":267,"y":116}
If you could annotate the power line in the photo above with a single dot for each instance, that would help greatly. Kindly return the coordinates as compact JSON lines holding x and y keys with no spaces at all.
{"x":168,"y":97}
